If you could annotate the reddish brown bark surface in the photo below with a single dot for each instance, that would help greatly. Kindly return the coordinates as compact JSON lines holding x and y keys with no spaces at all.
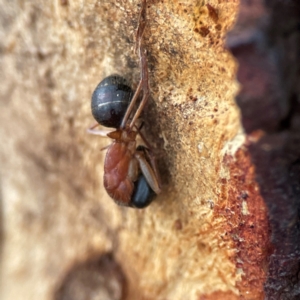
{"x":266,"y":43}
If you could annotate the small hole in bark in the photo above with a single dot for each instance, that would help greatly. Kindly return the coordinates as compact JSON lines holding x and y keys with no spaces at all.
{"x":94,"y":279}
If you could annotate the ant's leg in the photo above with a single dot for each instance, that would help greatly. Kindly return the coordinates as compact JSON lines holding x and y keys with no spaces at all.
{"x":141,"y":27}
{"x":139,"y":35}
{"x":105,"y":147}
{"x":145,"y":87}
{"x":148,"y":171}
{"x":131,"y":105}
{"x":102,"y":132}
{"x":148,"y":150}
{"x":144,"y":65}
{"x":143,"y":84}
{"x":143,"y":138}
{"x":152,"y":160}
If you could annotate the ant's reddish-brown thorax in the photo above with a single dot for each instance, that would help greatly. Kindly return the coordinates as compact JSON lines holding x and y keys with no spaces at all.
{"x":123,"y":135}
{"x":119,"y":156}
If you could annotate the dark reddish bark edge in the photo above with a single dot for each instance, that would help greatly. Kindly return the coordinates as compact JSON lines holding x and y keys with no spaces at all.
{"x":247,"y":224}
{"x":266,"y":43}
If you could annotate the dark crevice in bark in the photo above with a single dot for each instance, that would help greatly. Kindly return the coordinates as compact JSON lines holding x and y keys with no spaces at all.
{"x":266,"y":43}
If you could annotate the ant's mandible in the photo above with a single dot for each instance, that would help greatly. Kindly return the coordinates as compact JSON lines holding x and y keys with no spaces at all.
{"x":130,"y":174}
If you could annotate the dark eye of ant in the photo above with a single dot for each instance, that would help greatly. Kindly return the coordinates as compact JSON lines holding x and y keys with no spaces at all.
{"x":110,"y":101}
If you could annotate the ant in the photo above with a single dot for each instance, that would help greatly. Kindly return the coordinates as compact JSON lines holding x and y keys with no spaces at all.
{"x":130,"y":174}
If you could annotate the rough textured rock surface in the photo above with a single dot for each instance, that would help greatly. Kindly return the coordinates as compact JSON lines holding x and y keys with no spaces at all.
{"x":207,"y":236}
